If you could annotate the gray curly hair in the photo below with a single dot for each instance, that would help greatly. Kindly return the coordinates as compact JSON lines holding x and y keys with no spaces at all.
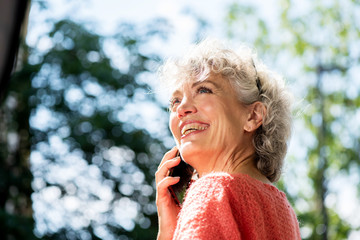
{"x":253,"y":82}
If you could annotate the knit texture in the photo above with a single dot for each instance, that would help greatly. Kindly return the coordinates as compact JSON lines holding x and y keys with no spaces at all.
{"x":224,"y":206}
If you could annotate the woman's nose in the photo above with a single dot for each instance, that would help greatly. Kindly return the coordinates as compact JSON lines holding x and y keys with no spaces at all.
{"x":186,"y":107}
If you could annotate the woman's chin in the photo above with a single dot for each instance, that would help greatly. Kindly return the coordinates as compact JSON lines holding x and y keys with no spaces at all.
{"x":190,"y":152}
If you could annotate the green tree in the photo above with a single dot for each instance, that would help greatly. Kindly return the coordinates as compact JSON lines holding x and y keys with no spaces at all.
{"x":315,"y":44}
{"x":92,"y":158}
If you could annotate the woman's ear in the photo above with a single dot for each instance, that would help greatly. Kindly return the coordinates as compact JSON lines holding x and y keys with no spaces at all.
{"x":257,"y":112}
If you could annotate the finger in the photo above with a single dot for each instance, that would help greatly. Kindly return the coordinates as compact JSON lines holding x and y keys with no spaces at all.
{"x":162,"y":172}
{"x":169,"y":155}
{"x":164,"y":184}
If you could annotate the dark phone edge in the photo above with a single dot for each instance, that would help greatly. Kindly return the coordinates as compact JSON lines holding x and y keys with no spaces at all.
{"x":171,"y":190}
{"x":173,"y":195}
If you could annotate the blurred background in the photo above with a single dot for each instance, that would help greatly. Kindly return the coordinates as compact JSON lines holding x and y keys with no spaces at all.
{"x":83,"y":120}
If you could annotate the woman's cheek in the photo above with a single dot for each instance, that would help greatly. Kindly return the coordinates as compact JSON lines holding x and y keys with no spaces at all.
{"x":173,"y":124}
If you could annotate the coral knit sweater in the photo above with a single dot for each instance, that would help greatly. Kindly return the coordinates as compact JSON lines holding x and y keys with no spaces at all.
{"x":224,"y":206}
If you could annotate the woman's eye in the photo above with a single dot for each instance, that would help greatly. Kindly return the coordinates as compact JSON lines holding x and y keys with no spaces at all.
{"x":204,"y":90}
{"x":174,"y":102}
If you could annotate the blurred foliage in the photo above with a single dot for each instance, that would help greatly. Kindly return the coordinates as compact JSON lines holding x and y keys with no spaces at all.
{"x":92,"y":160}
{"x":316,"y":44}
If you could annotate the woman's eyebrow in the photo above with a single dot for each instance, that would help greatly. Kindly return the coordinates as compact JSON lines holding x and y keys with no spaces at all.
{"x":205,"y":81}
{"x":216,"y":85}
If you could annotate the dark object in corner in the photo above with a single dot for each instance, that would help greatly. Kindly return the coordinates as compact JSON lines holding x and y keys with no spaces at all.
{"x":13,"y":14}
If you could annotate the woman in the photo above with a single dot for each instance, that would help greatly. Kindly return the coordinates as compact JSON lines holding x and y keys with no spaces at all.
{"x":230,"y":117}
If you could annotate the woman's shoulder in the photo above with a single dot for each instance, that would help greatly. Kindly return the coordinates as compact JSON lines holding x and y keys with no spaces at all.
{"x":240,"y":183}
{"x":213,"y":182}
{"x":215,"y":178}
{"x":212,"y":186}
{"x":227,"y":179}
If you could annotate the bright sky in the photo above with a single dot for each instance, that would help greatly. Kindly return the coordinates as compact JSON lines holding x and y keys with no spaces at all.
{"x":107,"y":14}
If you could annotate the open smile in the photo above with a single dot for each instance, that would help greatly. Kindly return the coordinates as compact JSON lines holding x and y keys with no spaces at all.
{"x":192,"y":127}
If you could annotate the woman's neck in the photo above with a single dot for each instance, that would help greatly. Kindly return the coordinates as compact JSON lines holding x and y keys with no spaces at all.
{"x":249,"y":167}
{"x":244,"y":165}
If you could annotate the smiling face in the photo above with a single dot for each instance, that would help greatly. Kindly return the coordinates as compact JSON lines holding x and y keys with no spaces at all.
{"x":208,"y":123}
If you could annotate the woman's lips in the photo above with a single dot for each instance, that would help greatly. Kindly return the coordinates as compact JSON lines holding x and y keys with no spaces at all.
{"x":191,"y":133}
{"x":192,"y":127}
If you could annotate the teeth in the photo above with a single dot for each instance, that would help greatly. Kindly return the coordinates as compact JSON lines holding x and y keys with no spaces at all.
{"x":189,"y":128}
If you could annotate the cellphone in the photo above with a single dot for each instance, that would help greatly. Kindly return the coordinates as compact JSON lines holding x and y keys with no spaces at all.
{"x":185,"y":172}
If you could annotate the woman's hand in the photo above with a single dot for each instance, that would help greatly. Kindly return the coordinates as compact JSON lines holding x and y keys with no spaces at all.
{"x":167,"y":208}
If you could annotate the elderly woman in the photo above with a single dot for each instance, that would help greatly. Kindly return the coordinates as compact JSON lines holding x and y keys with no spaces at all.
{"x":230,"y":117}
